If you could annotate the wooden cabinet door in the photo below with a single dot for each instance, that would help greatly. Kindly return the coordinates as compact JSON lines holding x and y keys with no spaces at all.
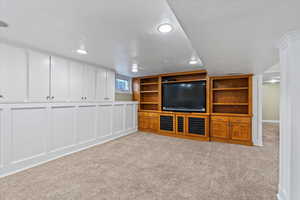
{"x":180,"y":123}
{"x":39,"y":76}
{"x":167,"y":123}
{"x":220,"y":127}
{"x":148,"y":121}
{"x":240,"y":129}
{"x":59,"y":79}
{"x":153,"y":122}
{"x":13,"y":74}
{"x":197,"y":126}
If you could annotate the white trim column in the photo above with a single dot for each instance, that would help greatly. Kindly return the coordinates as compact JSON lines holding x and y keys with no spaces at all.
{"x":289,"y":173}
{"x":257,"y":134}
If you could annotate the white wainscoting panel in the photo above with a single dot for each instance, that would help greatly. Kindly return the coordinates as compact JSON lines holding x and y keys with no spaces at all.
{"x":35,"y":133}
{"x":86,"y":123}
{"x":129,"y":117}
{"x":1,"y":140}
{"x":28,"y":133}
{"x":104,"y":124}
{"x":62,"y":127}
{"x":118,"y":122}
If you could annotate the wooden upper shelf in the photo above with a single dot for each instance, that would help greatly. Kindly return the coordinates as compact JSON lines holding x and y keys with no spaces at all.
{"x":151,"y":83}
{"x":150,"y":91}
{"x":238,"y":88}
{"x":183,"y":81}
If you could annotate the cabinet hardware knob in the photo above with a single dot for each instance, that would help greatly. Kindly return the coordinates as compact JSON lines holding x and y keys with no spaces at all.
{"x":52,"y":97}
{"x":1,"y":96}
{"x":47,"y":97}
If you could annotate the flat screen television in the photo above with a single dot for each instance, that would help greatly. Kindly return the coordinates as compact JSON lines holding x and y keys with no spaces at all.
{"x":185,"y":97}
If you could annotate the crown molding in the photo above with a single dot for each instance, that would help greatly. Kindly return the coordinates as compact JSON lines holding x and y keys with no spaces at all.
{"x":288,"y":38}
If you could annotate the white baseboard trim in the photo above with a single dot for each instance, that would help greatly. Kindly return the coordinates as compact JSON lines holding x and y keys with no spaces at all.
{"x":270,"y":121}
{"x":36,"y":161}
{"x":281,"y":195}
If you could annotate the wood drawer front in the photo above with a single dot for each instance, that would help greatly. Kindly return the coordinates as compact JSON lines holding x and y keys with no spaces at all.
{"x":220,"y":128}
{"x":240,"y":119}
{"x":221,"y":118}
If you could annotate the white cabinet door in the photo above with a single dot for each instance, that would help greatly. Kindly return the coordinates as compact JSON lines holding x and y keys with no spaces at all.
{"x":101,"y":85}
{"x":90,"y":83}
{"x":13,"y":74}
{"x":59,"y":79}
{"x":39,"y":75}
{"x":110,"y":86}
{"x":76,"y":81}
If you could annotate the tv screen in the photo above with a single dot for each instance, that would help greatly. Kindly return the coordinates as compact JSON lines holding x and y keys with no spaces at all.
{"x":187,"y":97}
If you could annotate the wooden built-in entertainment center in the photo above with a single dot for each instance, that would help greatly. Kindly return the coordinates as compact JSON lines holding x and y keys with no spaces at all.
{"x":228,"y":115}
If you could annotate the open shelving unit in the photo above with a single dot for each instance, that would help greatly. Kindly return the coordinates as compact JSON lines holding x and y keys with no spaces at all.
{"x":231,"y":95}
{"x":150,"y":93}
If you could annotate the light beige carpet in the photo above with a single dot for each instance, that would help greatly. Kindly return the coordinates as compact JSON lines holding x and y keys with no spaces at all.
{"x":152,"y":167}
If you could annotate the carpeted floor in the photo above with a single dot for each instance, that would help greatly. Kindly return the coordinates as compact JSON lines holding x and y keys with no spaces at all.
{"x":152,"y":167}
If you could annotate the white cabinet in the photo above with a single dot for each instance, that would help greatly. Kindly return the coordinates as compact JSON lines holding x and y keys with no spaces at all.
{"x":110,"y":87}
{"x":101,"y":85}
{"x":89,"y":90}
{"x":13,"y":74}
{"x":39,"y":76}
{"x":76,"y":81}
{"x":105,"y":87}
{"x":82,"y":82}
{"x":59,"y":79}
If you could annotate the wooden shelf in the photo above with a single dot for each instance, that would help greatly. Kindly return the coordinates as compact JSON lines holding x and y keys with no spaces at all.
{"x":150,"y":91}
{"x":239,"y":88}
{"x":183,"y":81}
{"x":230,"y":104}
{"x":152,"y":83}
{"x":149,"y":102}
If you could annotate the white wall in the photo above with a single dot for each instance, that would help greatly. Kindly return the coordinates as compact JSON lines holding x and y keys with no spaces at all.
{"x":289,"y":176}
{"x":271,"y":102}
{"x":33,"y":133}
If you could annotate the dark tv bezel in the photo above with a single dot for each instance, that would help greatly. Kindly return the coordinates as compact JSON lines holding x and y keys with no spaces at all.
{"x":186,"y":109}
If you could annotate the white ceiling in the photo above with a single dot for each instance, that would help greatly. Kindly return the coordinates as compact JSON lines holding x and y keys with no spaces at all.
{"x":237,"y":36}
{"x":115,"y":33}
{"x":232,"y":36}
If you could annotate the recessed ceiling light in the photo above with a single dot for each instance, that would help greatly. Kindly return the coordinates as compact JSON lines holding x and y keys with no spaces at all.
{"x":193,"y":62}
{"x":273,"y":81}
{"x":134,"y":68}
{"x":3,"y":24}
{"x":165,"y":28}
{"x":81,"y":51}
